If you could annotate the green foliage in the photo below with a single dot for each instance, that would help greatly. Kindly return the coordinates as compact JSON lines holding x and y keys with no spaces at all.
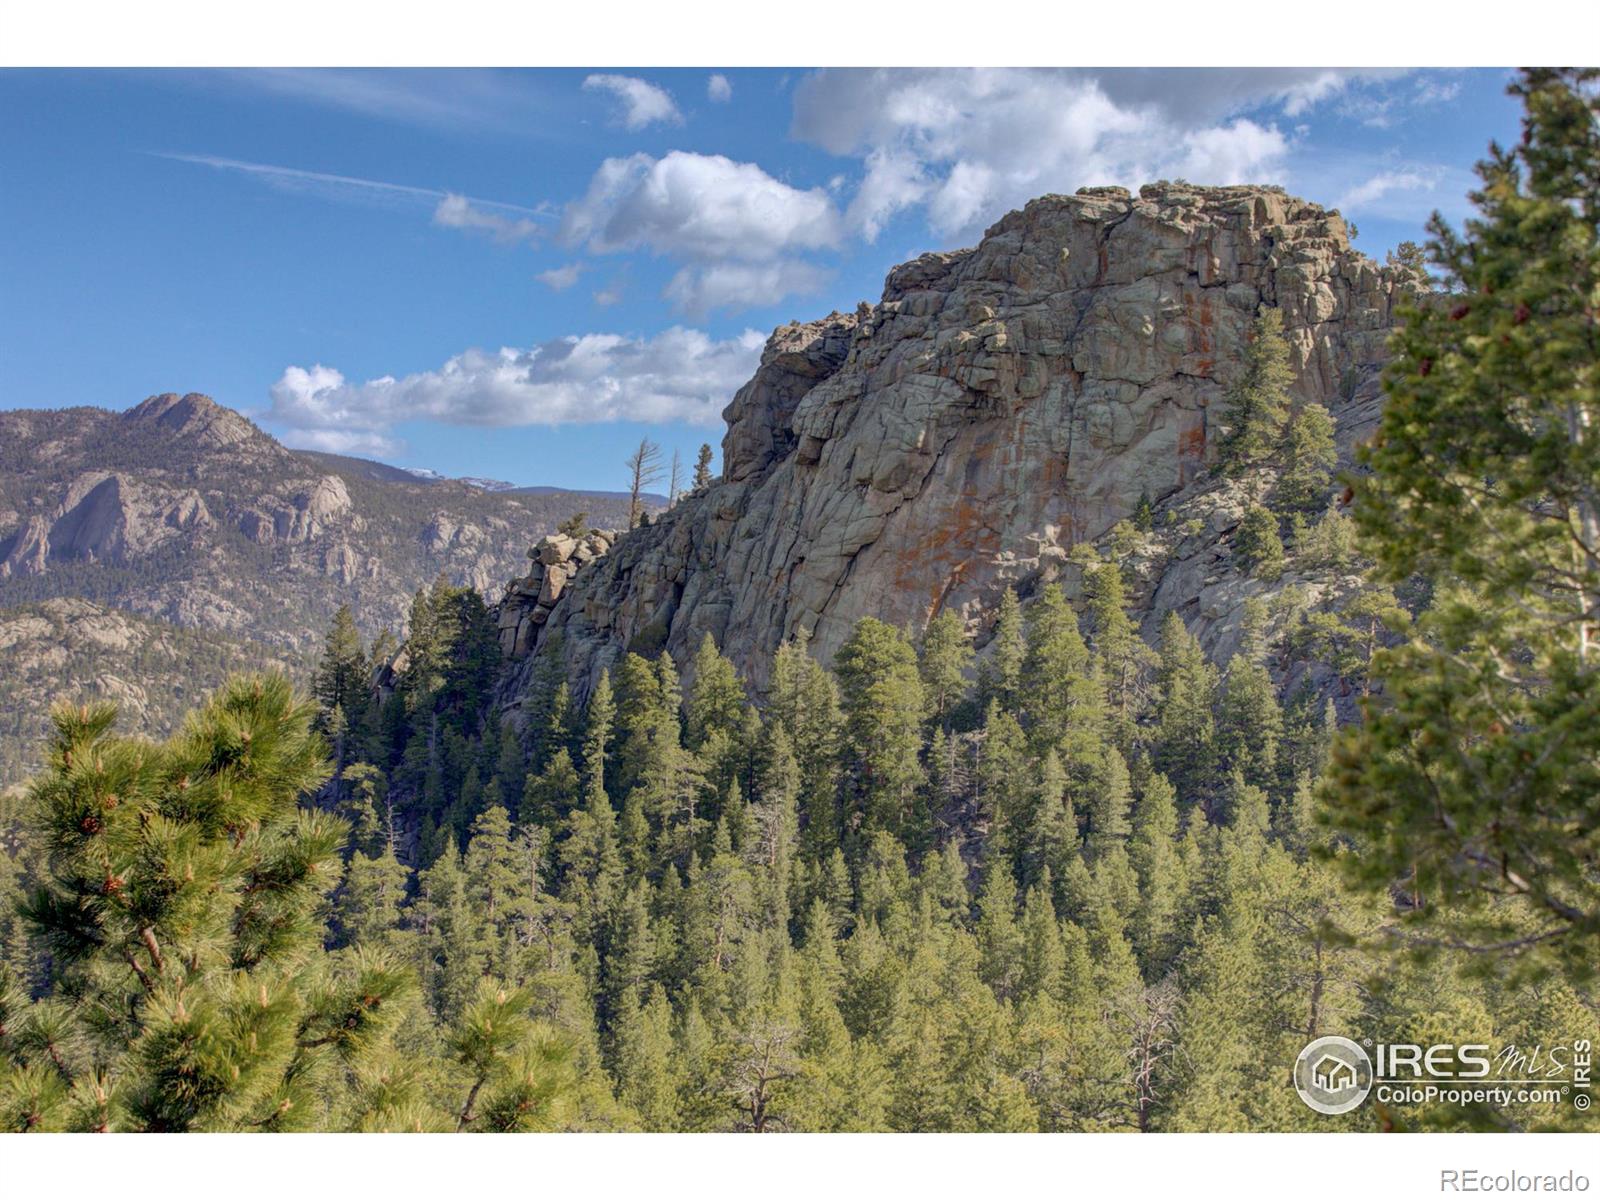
{"x":1257,"y":405}
{"x":1257,"y":547}
{"x":882,"y":701}
{"x":1475,"y":774}
{"x":1309,"y":455}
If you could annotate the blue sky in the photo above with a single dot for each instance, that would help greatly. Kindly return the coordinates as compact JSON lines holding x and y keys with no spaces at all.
{"x":518,"y":274}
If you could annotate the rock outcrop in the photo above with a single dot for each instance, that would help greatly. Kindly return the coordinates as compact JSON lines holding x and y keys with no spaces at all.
{"x":195,"y":418}
{"x":997,"y":406}
{"x":528,"y":601}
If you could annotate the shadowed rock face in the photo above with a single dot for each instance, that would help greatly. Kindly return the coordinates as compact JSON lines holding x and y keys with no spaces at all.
{"x":997,"y":406}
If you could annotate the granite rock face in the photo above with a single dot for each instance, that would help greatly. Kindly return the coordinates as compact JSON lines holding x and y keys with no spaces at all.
{"x":997,"y":406}
{"x":557,"y":559}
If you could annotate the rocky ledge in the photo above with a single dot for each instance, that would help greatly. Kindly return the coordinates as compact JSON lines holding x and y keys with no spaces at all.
{"x":557,"y":559}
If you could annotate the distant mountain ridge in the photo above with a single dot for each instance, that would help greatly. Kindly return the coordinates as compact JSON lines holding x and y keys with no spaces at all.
{"x":185,"y":514}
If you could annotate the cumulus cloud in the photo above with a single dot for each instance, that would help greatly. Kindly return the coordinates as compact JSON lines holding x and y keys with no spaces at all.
{"x":559,"y":279}
{"x":718,"y":89}
{"x":698,"y":206}
{"x":1231,"y":153}
{"x":457,"y":212}
{"x":680,"y":375}
{"x":968,"y":145}
{"x":733,"y":285}
{"x":716,"y":217}
{"x":642,"y":103}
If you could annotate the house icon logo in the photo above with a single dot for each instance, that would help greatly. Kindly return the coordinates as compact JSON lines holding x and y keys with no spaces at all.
{"x":1333,"y":1075}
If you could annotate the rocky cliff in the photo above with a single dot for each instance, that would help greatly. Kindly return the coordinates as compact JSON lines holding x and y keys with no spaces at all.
{"x":997,"y":406}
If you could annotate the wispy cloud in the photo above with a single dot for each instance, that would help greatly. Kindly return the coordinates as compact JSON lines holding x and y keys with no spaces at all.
{"x":559,"y":279}
{"x":718,"y":89}
{"x":508,"y":101}
{"x":458,"y":212}
{"x":452,"y":209}
{"x":1371,"y":190}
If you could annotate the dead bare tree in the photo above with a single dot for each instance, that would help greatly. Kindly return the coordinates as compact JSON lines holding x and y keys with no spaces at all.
{"x":675,"y":487}
{"x":764,"y":1061}
{"x":644,"y":471}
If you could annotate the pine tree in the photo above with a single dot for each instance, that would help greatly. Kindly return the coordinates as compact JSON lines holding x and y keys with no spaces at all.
{"x":1250,"y":722}
{"x":1186,"y":731}
{"x":517,"y":1075}
{"x":1257,"y":548}
{"x":548,"y":797}
{"x":1309,"y":455}
{"x":1123,"y":657}
{"x":1257,"y":406}
{"x":999,"y":940}
{"x":943,"y":662}
{"x":339,"y":685}
{"x":702,"y":468}
{"x":597,"y":741}
{"x":1486,"y":481}
{"x":777,"y":823}
{"x":368,"y":905}
{"x":716,"y":699}
{"x":804,"y":700}
{"x":881,"y":697}
{"x":180,"y":908}
{"x":1349,"y":639}
{"x":1000,"y":675}
{"x":1060,"y":698}
{"x":1154,"y":855}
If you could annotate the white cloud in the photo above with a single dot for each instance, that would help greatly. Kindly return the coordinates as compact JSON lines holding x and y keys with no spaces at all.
{"x":894,"y":180}
{"x":1301,"y":97}
{"x":559,"y":279}
{"x":609,"y":295}
{"x":643,"y":103}
{"x":1232,"y":153}
{"x":735,"y":285}
{"x":457,"y":212}
{"x":718,"y":89}
{"x":698,"y":206}
{"x":680,"y":375}
{"x":968,"y":145}
{"x":1436,"y":91}
{"x":1364,"y":195}
{"x":710,"y":214}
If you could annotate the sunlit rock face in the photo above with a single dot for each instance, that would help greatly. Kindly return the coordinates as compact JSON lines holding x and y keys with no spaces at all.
{"x":998,"y":405}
